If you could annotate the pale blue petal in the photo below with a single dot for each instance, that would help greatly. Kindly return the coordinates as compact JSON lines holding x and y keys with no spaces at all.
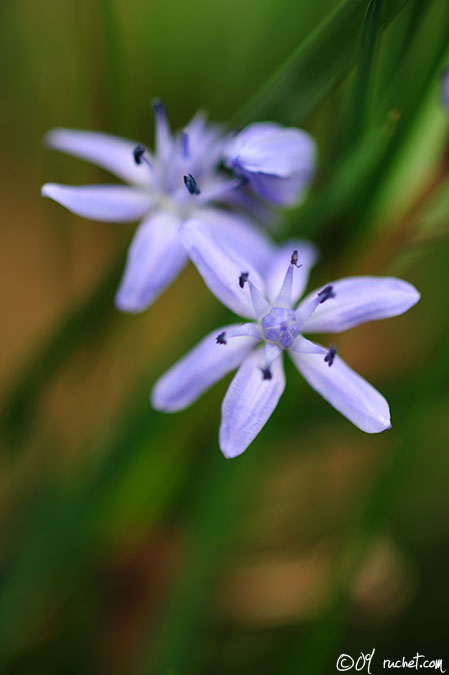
{"x":272,"y":351}
{"x":280,"y":191}
{"x":271,"y":149}
{"x":220,"y":267}
{"x":111,"y":203}
{"x":361,"y":299}
{"x":110,"y":152}
{"x":155,"y":258}
{"x":249,"y":402}
{"x":279,"y":263}
{"x":198,"y":370}
{"x":241,"y":235}
{"x":304,"y":346}
{"x":247,"y":329}
{"x":260,"y":305}
{"x":344,"y":389}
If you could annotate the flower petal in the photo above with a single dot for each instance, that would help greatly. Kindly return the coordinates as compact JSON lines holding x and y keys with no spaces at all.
{"x":249,"y":402}
{"x":361,"y":299}
{"x":111,"y":203}
{"x":241,"y":235}
{"x":269,"y":148}
{"x":280,"y":191}
{"x":198,"y":370}
{"x":110,"y":152}
{"x":349,"y":393}
{"x":155,"y":258}
{"x":307,"y":256}
{"x":220,"y":267}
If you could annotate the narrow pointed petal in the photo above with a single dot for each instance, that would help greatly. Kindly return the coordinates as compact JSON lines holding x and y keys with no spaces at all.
{"x":111,"y":203}
{"x":272,"y":351}
{"x":304,"y":346}
{"x":240,"y":234}
{"x":261,"y":306}
{"x":197,"y":371}
{"x":219,"y":266}
{"x":280,"y":260}
{"x":164,"y":139}
{"x":249,"y":403}
{"x":361,"y":299}
{"x":110,"y":152}
{"x":344,"y":389}
{"x":306,"y":310}
{"x":248,"y":330}
{"x":284,"y":298}
{"x":155,"y":259}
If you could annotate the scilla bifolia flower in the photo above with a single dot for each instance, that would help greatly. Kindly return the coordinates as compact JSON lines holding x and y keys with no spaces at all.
{"x":257,"y":348}
{"x":180,"y":181}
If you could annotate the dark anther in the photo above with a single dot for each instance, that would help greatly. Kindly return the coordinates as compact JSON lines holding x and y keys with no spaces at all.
{"x":243,"y":278}
{"x":220,"y":339}
{"x":191,"y":184}
{"x":294,"y":259}
{"x":331,"y":354}
{"x":138,"y":153}
{"x":266,"y":373}
{"x":326,"y":293}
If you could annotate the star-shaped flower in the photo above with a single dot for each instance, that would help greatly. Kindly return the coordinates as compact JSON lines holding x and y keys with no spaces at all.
{"x":180,"y":181}
{"x":257,"y":348}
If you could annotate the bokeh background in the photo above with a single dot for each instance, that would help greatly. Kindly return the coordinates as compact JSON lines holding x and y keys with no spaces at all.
{"x":128,"y":543}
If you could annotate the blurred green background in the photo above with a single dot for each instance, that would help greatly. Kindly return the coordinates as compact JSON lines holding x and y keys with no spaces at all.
{"x":128,"y":543}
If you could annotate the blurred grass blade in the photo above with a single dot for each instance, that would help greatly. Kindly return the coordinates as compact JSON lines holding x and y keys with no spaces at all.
{"x":76,"y":326}
{"x":320,"y":641}
{"x":367,"y":59}
{"x":114,"y":65}
{"x":219,"y":495}
{"x":349,"y":175}
{"x":305,"y":78}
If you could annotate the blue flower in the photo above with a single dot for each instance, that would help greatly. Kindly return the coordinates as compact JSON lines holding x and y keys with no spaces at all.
{"x":178,"y":182}
{"x":277,"y":162}
{"x":256,"y":348}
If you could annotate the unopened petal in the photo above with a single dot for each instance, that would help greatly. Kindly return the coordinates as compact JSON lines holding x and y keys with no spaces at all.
{"x":269,"y":148}
{"x":198,"y":370}
{"x":249,"y":403}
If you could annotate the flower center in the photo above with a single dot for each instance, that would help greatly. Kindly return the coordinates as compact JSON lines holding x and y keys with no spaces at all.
{"x":280,"y":326}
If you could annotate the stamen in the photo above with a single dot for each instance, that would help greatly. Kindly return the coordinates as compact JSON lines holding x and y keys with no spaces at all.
{"x":331,"y":354}
{"x":185,"y":143}
{"x":220,"y":339}
{"x":191,"y":184}
{"x":266,"y":373}
{"x":243,"y":278}
{"x":326,"y":293}
{"x":294,"y":259}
